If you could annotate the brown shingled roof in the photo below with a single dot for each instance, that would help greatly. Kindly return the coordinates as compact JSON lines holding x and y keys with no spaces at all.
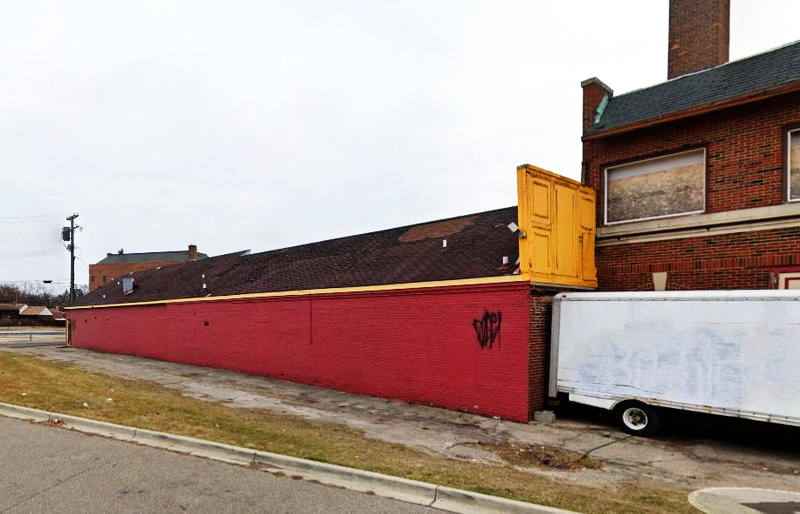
{"x":476,"y":245}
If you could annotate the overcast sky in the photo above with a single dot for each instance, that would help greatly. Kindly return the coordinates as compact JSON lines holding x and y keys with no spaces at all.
{"x":259,"y":125}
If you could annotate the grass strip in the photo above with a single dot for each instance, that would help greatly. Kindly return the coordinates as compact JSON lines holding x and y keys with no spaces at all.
{"x":64,"y":388}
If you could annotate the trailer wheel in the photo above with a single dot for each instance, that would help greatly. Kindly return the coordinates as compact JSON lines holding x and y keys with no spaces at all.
{"x":637,"y":418}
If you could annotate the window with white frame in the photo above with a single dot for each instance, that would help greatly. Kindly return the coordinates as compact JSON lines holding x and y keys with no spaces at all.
{"x":789,"y":281}
{"x":793,"y":160}
{"x":671,"y":185}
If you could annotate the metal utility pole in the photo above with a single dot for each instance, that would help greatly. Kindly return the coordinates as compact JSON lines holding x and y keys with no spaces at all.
{"x":68,"y":234}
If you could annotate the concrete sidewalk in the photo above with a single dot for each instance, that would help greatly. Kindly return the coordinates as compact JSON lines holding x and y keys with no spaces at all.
{"x":671,"y":461}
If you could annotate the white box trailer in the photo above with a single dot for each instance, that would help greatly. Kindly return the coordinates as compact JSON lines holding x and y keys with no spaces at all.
{"x":734,"y":353}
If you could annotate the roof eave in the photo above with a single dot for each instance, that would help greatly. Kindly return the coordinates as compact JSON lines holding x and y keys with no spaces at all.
{"x":694,"y":111}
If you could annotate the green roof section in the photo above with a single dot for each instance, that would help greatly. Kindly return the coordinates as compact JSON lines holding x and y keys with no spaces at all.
{"x":180,"y":255}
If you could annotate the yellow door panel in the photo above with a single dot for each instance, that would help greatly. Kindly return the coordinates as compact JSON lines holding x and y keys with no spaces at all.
{"x":540,"y":202}
{"x":586,"y":208}
{"x":565,"y":232}
{"x":540,"y":241}
{"x":557,"y":223}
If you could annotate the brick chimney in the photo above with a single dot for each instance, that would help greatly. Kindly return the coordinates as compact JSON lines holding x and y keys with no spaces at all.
{"x":192,"y":252}
{"x":699,"y":35}
{"x":594,"y":91}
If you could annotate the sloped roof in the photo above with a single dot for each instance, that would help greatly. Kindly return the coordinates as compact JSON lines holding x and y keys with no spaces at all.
{"x":476,"y":245}
{"x":36,"y":310}
{"x":180,"y":255}
{"x":769,"y":71}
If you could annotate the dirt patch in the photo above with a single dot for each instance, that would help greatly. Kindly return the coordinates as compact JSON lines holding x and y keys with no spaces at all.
{"x":541,"y":455}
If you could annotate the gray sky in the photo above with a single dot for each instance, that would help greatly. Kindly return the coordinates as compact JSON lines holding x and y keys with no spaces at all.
{"x":260,"y":125}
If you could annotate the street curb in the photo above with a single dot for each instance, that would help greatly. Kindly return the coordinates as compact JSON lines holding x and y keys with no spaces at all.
{"x":411,"y":491}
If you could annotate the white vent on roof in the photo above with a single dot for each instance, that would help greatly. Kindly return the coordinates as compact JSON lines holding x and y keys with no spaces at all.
{"x":505,"y":259}
{"x":444,"y":243}
{"x":204,"y":285}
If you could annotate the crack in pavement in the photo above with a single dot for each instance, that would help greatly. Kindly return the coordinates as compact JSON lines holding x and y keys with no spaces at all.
{"x":615,"y":441}
{"x":58,"y":483}
{"x":450,"y":446}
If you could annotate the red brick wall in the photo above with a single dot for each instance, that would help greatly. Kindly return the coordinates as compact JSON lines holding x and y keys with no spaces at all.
{"x":730,"y":261}
{"x":114,"y":271}
{"x":539,"y":354}
{"x":744,"y":168}
{"x":417,"y":345}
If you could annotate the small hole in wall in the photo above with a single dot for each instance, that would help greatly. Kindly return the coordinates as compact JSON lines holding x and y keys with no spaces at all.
{"x":205,"y":323}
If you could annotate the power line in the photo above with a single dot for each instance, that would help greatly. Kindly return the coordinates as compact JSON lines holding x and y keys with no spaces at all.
{"x":35,"y":280}
{"x":16,"y":220}
{"x":29,"y":253}
{"x":48,"y":217}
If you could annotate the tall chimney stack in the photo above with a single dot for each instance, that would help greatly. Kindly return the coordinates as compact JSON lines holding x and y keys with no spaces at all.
{"x":192,"y":252}
{"x":699,"y":35}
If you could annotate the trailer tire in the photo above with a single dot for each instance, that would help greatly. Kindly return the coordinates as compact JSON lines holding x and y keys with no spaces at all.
{"x":637,"y":418}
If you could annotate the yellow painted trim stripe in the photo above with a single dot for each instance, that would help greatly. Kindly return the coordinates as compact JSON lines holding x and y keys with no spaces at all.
{"x":504,"y":279}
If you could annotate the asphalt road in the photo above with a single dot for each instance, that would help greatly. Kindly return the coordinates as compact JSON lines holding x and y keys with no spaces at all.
{"x":48,"y":469}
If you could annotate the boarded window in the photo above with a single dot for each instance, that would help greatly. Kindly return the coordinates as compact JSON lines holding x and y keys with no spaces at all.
{"x":665,"y":186}
{"x":794,"y":165}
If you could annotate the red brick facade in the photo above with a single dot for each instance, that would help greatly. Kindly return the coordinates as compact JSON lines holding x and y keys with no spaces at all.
{"x":731,"y":261}
{"x":99,"y":274}
{"x":745,"y":168}
{"x":745,"y":152}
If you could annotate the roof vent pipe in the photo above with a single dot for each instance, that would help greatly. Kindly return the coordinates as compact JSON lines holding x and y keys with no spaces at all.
{"x":444,"y":243}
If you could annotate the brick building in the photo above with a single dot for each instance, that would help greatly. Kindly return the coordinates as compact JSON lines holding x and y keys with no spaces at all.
{"x":115,"y":265}
{"x":698,"y":178}
{"x":451,"y":312}
{"x":699,"y":188}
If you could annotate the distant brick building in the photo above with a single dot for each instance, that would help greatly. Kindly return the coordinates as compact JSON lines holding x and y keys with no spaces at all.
{"x":115,"y":265}
{"x":698,"y":178}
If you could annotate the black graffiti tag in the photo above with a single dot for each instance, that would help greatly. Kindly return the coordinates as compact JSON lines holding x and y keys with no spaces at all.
{"x":488,"y":328}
